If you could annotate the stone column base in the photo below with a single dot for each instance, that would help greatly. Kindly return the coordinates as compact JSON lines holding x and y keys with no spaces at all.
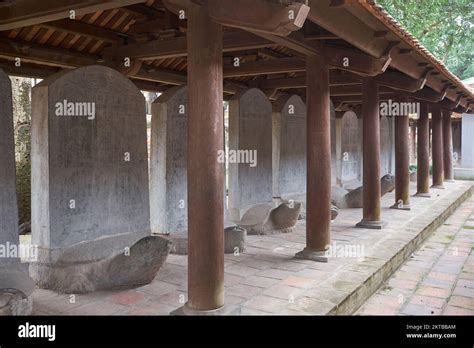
{"x":225,"y":310}
{"x":372,"y":225}
{"x":439,"y":187}
{"x":401,"y":206}
{"x":16,"y":288}
{"x":422,"y":194}
{"x":122,"y":270}
{"x":307,"y":254}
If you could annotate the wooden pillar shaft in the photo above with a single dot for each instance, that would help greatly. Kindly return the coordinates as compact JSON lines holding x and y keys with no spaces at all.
{"x":318,"y":201}
{"x":402,"y":162}
{"x":205,"y":174}
{"x":447,"y":146}
{"x":437,"y":147}
{"x":423,"y":152}
{"x":371,"y":155}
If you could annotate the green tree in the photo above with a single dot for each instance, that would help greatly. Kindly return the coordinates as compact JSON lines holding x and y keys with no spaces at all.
{"x":444,"y":27}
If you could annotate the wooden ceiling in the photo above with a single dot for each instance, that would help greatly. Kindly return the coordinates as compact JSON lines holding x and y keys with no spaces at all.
{"x":153,"y":39}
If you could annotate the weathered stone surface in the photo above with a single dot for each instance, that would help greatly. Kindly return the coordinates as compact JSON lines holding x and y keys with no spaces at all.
{"x":234,"y":237}
{"x":385,"y":146}
{"x":15,"y":284}
{"x":89,"y":172}
{"x":289,"y":146}
{"x":268,"y":219}
{"x":350,"y":148}
{"x":168,"y":162}
{"x":250,"y":128}
{"x":302,"y":199}
{"x":128,"y":268}
{"x":353,"y":199}
{"x":21,"y":92}
{"x":333,"y":144}
{"x":8,"y":198}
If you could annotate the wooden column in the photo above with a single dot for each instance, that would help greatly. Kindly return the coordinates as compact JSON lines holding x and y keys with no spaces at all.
{"x":371,"y":155}
{"x":318,"y":177}
{"x":437,"y":146}
{"x":423,"y":153}
{"x":402,"y":161}
{"x":205,"y":174}
{"x":447,"y":146}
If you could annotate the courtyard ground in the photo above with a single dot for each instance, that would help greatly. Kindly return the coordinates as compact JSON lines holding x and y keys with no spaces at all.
{"x":438,"y":279}
{"x":266,"y":279}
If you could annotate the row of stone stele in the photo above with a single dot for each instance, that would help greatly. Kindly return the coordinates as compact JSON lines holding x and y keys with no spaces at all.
{"x":103,"y":240}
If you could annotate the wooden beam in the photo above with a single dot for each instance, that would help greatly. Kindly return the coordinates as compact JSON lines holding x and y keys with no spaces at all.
{"x":340,"y":91}
{"x":300,"y":82}
{"x":449,"y":104}
{"x":28,"y":70}
{"x":321,"y":37}
{"x":354,"y":30}
{"x":269,"y":53}
{"x":142,"y":11}
{"x":23,"y":13}
{"x":34,"y":53}
{"x":264,"y":67}
{"x":380,"y":33}
{"x":260,"y":16}
{"x":429,"y":95}
{"x":401,"y":81}
{"x":56,"y":57}
{"x":356,"y":62}
{"x":86,"y":30}
{"x":294,"y":41}
{"x":341,"y":58}
{"x":357,"y":99}
{"x":177,"y":47}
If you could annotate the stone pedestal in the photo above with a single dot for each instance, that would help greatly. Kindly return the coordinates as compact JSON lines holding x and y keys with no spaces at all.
{"x":289,"y":147}
{"x":250,"y":138}
{"x":437,"y":147}
{"x":15,"y":284}
{"x":385,"y":146}
{"x":351,"y":148}
{"x":465,"y":170}
{"x":168,"y":162}
{"x":423,"y":153}
{"x":90,"y":199}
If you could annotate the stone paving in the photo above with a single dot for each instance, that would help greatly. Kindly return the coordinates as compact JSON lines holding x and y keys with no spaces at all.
{"x":267,"y":279}
{"x":438,"y":279}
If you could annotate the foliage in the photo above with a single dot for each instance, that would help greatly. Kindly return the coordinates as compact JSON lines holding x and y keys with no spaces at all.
{"x":444,"y":27}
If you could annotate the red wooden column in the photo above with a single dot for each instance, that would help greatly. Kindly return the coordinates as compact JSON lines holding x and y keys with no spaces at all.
{"x":318,"y":177}
{"x":447,"y":146}
{"x":371,"y":155}
{"x":402,"y":161}
{"x":205,"y":174}
{"x":437,"y":146}
{"x":423,"y":153}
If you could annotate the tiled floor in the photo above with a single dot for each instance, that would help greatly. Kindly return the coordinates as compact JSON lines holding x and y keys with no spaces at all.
{"x":267,"y":279}
{"x":438,"y":278}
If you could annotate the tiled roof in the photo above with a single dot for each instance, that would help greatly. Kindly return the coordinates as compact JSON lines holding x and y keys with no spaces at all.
{"x":391,"y":23}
